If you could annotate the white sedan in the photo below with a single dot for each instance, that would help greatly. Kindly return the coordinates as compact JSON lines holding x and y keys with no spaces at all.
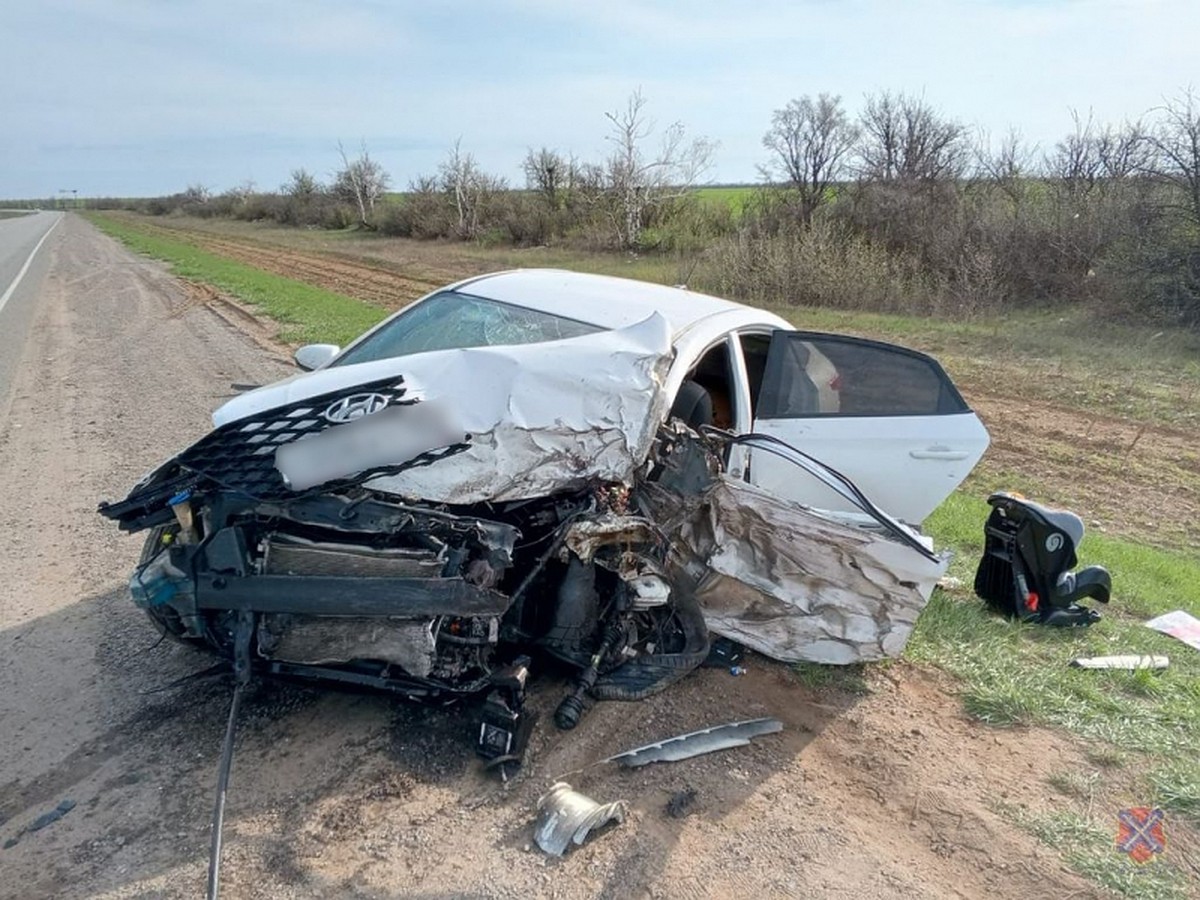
{"x":541,"y":467}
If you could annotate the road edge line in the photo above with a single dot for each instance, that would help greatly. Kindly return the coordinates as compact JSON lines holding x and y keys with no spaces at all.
{"x":12,"y":288}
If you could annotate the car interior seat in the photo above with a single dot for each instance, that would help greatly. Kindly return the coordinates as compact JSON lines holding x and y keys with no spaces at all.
{"x":1029,"y":550}
{"x":693,"y":405}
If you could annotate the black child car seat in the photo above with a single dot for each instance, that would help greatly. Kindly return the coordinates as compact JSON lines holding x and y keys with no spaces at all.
{"x":1028,"y":553}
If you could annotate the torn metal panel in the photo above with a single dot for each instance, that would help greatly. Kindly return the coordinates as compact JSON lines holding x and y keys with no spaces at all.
{"x":566,"y":816}
{"x":698,"y":743}
{"x":792,"y":583}
{"x":542,"y":418}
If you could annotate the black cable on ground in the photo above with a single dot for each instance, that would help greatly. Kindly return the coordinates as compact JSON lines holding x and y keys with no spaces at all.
{"x":214,"y":851}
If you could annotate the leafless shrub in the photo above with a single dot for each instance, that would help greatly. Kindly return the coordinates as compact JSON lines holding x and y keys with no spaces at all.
{"x":470,"y":189}
{"x":361,"y":181}
{"x":820,"y":264}
{"x":423,"y":213}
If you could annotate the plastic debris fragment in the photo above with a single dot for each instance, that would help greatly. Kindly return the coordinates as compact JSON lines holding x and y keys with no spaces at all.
{"x":1129,"y":663}
{"x":697,"y":743}
{"x":566,"y":816}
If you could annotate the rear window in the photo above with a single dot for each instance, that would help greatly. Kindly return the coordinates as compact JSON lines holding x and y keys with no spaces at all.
{"x":451,"y":320}
{"x":810,"y":374}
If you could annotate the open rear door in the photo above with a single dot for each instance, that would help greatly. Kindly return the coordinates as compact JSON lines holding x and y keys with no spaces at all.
{"x":886,"y":417}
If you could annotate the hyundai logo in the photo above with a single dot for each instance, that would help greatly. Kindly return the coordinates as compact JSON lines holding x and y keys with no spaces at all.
{"x":355,"y":407}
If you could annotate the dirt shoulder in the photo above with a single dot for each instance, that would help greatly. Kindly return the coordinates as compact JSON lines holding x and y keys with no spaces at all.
{"x":891,"y":792}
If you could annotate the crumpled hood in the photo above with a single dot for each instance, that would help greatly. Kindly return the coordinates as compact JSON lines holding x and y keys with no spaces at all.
{"x":541,"y":418}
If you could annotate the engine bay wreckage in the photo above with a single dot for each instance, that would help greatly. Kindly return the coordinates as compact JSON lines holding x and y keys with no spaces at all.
{"x":440,"y":524}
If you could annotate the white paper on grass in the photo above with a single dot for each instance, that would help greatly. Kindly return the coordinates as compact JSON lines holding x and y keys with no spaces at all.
{"x":1182,"y":626}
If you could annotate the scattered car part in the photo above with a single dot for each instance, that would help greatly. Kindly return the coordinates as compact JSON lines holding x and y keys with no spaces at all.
{"x":42,"y":821}
{"x":679,"y":806}
{"x":724,"y":654}
{"x":1028,"y":552}
{"x":505,"y":724}
{"x":1128,"y":663}
{"x":1180,"y":625}
{"x":49,"y":818}
{"x":697,"y":743}
{"x":566,"y":816}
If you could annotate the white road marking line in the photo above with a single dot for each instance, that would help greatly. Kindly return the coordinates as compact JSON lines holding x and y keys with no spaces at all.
{"x":25,"y":268}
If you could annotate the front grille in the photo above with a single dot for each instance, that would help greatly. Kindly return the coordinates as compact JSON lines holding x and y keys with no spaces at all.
{"x":240,"y":456}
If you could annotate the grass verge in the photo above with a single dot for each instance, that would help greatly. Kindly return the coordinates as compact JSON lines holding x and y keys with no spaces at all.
{"x":308,"y":314}
{"x":1017,"y":674}
{"x":1088,"y":848}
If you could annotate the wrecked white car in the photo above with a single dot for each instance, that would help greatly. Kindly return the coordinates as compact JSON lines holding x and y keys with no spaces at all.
{"x":542,"y":466}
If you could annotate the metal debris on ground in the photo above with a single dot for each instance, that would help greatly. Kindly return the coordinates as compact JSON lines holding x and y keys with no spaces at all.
{"x":698,"y":743}
{"x":566,"y":816}
{"x":1128,"y":663}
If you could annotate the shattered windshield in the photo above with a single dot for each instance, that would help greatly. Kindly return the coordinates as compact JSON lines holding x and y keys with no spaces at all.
{"x":453,"y":320}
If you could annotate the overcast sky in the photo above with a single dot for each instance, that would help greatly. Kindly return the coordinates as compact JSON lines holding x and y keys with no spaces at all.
{"x":144,"y":97}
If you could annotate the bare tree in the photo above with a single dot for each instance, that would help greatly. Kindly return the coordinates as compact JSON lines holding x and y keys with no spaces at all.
{"x":360,"y":181}
{"x":1174,"y":144}
{"x":197,"y":194}
{"x":1075,"y":163}
{"x":1007,"y":167}
{"x":811,"y":140}
{"x":469,"y":187}
{"x":638,"y":181}
{"x":905,"y":139}
{"x":548,"y":173}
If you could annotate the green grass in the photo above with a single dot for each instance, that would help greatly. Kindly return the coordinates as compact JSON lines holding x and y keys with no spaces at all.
{"x":736,"y":197}
{"x":309,"y":314}
{"x":1014,"y":673}
{"x":848,"y":679}
{"x":1017,"y":674}
{"x":1088,"y":847}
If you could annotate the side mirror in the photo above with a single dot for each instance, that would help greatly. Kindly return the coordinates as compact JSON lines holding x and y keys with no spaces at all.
{"x":314,"y":356}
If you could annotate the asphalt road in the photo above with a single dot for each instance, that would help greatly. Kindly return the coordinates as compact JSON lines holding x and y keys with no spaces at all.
{"x":21,"y":273}
{"x":112,"y":366}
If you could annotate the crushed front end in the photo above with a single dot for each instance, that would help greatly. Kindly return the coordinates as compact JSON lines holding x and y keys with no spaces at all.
{"x":345,"y":582}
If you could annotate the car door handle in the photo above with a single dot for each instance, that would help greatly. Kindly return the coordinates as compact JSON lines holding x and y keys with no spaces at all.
{"x":939,"y":453}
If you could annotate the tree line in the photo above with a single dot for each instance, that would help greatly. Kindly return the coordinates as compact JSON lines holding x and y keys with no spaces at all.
{"x":895,"y":206}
